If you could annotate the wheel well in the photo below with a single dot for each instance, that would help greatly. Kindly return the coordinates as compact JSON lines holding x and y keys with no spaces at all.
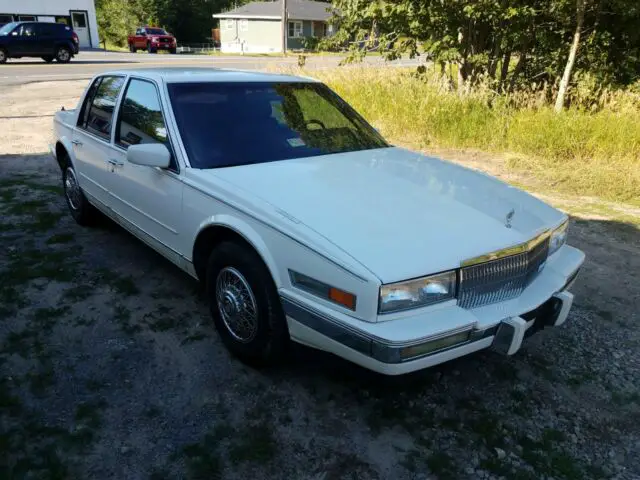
{"x":211,"y":237}
{"x":62,"y":156}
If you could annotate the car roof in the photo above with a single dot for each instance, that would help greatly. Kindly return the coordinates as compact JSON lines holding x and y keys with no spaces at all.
{"x":205,"y":74}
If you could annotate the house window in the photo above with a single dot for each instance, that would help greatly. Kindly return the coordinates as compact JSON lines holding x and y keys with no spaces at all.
{"x":325,"y":30}
{"x":244,"y":25}
{"x":295,"y":29}
{"x":228,"y":24}
{"x":27,"y":18}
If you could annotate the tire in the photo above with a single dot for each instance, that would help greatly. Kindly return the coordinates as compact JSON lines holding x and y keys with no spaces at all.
{"x":132,"y":48}
{"x":81,"y":210}
{"x":238,"y":279}
{"x":48,"y":58}
{"x":4,"y":56}
{"x":63,"y":55}
{"x":151,"y":50}
{"x":173,"y":51}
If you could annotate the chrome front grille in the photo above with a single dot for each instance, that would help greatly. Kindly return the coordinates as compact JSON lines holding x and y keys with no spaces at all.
{"x":501,"y":279}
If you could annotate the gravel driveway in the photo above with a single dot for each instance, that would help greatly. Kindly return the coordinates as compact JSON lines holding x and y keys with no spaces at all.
{"x":110,"y":368}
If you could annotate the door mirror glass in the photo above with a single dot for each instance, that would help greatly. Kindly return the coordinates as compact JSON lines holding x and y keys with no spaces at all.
{"x":149,"y":155}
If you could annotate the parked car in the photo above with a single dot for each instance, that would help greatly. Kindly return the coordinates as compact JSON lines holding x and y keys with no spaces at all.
{"x":152,"y":39}
{"x":306,"y":225}
{"x":49,"y":41}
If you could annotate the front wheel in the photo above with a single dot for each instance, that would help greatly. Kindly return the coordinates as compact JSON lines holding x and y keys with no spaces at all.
{"x":173,"y":51}
{"x":3,"y":55}
{"x":151,"y":50}
{"x":63,"y":55}
{"x":245,"y":306}
{"x":132,"y":48}
{"x":79,"y":207}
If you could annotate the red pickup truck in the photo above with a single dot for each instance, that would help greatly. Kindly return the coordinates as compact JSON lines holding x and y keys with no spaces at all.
{"x":152,"y":39}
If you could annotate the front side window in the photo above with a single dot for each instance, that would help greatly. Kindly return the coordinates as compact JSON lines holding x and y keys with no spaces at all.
{"x":231,"y":124}
{"x":99,"y":116}
{"x":141,"y":120}
{"x":295,"y":29}
{"x":28,"y":30}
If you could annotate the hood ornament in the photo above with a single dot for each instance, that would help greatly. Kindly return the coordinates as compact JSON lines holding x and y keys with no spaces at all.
{"x":509,"y":217}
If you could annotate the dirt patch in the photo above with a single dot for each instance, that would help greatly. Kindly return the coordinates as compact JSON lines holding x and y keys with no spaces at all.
{"x":110,"y":368}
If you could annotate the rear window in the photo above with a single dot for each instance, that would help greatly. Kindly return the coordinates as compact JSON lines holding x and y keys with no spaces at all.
{"x":230,"y":124}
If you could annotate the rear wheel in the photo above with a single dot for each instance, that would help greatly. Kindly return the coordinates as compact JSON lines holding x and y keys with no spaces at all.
{"x":63,"y":55}
{"x":245,"y":306}
{"x":81,"y":210}
{"x":48,"y":58}
{"x":3,"y":55}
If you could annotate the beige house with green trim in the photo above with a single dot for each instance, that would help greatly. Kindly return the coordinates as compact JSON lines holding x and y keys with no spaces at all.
{"x":256,"y":26}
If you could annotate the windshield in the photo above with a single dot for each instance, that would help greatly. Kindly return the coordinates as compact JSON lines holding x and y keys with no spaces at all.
{"x":230,"y":124}
{"x":155,"y":31}
{"x":6,"y":30}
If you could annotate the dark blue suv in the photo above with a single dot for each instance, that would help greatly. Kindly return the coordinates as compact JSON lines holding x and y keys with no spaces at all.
{"x":49,"y":41}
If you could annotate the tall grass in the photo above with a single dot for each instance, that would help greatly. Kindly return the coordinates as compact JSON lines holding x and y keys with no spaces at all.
{"x":587,"y":151}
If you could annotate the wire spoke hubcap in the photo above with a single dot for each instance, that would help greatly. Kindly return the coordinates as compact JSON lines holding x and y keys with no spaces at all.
{"x":72,"y":189}
{"x":236,"y":304}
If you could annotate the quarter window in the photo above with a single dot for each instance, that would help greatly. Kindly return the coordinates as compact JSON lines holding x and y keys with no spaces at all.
{"x":141,"y":120}
{"x":98,"y":119}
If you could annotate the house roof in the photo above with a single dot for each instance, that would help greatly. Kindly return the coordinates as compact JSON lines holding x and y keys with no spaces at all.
{"x":296,"y":9}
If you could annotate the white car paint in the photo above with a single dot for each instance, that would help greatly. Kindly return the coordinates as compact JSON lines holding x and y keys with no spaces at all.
{"x":354,"y":220}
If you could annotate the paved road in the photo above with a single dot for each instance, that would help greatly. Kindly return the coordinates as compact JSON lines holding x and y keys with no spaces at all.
{"x":87,"y":64}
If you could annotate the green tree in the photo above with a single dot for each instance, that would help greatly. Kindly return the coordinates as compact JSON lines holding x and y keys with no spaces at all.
{"x":506,"y":41}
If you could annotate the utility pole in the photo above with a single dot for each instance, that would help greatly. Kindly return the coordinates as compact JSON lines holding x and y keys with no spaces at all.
{"x":285,"y":27}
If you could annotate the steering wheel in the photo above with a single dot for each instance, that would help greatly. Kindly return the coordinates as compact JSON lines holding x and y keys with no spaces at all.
{"x":316,"y":122}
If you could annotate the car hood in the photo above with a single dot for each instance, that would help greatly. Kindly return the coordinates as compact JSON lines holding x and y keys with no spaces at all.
{"x":399,"y":213}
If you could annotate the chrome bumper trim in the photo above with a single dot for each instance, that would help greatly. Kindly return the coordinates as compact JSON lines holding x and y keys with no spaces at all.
{"x":365,"y":343}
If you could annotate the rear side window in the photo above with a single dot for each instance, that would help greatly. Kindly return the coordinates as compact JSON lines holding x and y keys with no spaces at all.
{"x":140,"y":119}
{"x":49,"y":30}
{"x":97,"y":116}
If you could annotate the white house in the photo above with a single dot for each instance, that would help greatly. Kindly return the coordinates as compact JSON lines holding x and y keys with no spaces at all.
{"x":256,"y":27}
{"x":80,"y":14}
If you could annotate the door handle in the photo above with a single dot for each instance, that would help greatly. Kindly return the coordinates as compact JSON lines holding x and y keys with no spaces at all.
{"x":115,"y":162}
{"x":77,"y":143}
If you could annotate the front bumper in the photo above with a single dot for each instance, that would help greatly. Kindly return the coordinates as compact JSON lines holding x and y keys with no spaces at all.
{"x":164,"y":46}
{"x":446,"y":332}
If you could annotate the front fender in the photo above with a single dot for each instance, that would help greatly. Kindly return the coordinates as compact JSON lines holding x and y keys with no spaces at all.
{"x":250,"y":234}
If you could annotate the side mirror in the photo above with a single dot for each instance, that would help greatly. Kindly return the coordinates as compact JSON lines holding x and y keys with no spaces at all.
{"x":14,"y":34}
{"x":149,"y":155}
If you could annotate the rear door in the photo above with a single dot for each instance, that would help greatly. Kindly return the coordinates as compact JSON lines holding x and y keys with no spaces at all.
{"x":46,"y":36}
{"x":92,"y":136}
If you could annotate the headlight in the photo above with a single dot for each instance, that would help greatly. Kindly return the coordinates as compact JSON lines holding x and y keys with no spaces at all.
{"x":154,"y":39}
{"x":558,"y":237}
{"x":418,"y":293}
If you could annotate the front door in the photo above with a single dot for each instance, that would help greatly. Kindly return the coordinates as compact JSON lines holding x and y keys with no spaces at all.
{"x":92,"y":137}
{"x":80,"y":24}
{"x":148,"y":198}
{"x":24,"y":40}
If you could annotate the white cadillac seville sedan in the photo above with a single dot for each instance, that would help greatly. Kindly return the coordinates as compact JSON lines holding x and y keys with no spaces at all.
{"x":306,"y":225}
